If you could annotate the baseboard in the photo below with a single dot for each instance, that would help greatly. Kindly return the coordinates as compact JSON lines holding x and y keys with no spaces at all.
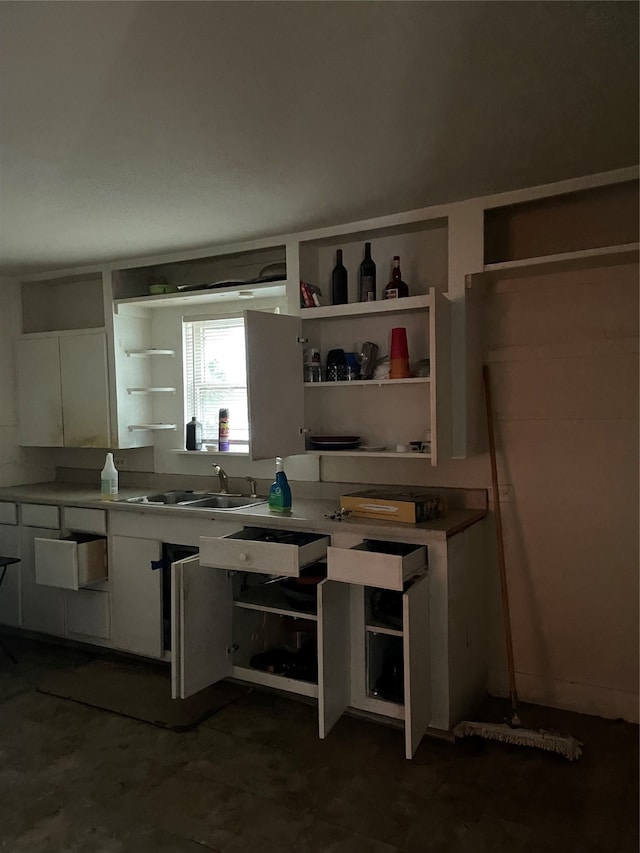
{"x":569,"y":695}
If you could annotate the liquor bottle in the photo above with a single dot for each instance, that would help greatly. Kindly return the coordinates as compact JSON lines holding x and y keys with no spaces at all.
{"x":367,"y":276}
{"x":339,"y":288}
{"x":396,"y":287}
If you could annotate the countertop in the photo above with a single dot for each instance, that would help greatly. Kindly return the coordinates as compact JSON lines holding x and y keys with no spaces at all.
{"x":307,"y":514}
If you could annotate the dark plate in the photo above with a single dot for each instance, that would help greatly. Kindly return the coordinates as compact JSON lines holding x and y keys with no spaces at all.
{"x":335,"y":439}
{"x":335,"y":445}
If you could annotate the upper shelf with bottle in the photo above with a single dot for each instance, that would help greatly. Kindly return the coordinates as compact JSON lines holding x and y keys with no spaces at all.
{"x":422,"y":250}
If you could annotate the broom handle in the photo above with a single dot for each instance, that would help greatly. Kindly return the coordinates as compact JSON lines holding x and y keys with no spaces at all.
{"x":506,"y":616}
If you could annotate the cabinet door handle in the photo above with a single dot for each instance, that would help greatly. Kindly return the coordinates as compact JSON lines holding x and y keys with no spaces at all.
{"x":243,"y":557}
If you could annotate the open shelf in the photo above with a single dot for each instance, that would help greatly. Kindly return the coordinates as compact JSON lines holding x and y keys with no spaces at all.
{"x":152,"y":426}
{"x":581,"y":259}
{"x":391,"y":454}
{"x":270,"y":599}
{"x":361,"y":309}
{"x":414,"y":380}
{"x":278,"y":682}
{"x":148,"y":353}
{"x":375,"y":627}
{"x":151,"y":390}
{"x":204,"y":296}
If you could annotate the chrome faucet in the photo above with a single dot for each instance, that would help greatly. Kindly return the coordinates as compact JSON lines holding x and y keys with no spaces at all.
{"x":224,"y":480}
{"x":252,"y":486}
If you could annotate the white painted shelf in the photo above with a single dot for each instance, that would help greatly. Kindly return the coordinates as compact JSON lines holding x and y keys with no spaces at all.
{"x":151,"y":390}
{"x":204,"y":296}
{"x":414,"y":380}
{"x":363,"y":309}
{"x":152,"y":426}
{"x":148,"y":353}
{"x":390,"y":454}
{"x":270,"y":599}
{"x":279,"y":682}
{"x":583,"y":258}
{"x":210,"y":453}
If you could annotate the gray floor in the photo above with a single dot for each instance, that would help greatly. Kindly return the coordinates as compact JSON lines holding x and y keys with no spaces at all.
{"x":255,"y":777}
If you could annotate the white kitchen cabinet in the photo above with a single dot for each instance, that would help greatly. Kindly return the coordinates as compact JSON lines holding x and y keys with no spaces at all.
{"x":87,"y":614}
{"x":136,"y":595}
{"x":62,"y":390}
{"x":42,"y":606}
{"x":201,"y":627}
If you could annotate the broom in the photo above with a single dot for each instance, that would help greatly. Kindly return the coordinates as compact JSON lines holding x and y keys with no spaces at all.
{"x":512,"y":730}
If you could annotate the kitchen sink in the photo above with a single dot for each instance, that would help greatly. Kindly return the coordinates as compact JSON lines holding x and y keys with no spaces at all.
{"x":224,"y":502}
{"x":196,"y":500}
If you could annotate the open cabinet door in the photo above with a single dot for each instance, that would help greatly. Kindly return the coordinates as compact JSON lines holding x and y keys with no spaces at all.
{"x":334,"y":658}
{"x":274,"y":384}
{"x":201,"y":617}
{"x":417,"y":700}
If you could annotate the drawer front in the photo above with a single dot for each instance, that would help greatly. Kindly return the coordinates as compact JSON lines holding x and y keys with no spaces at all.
{"x":69,"y":564}
{"x":41,"y":515}
{"x":8,"y":513}
{"x":84,"y":520}
{"x":241,"y":551}
{"x":87,"y":613}
{"x":366,"y":566}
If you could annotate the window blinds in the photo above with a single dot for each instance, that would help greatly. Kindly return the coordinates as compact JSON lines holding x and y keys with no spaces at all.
{"x":216,"y":376}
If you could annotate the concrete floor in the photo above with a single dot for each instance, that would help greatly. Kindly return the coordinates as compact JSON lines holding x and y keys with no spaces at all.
{"x":256,"y":779}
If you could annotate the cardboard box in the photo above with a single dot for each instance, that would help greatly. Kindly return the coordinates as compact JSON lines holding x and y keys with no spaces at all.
{"x":410,"y":507}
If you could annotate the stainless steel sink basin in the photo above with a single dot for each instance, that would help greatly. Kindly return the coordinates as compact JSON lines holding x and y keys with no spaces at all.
{"x":196,"y":500}
{"x":174,"y":497}
{"x":224,"y":502}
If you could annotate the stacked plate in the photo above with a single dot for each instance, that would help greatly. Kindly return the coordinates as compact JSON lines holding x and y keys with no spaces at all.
{"x":334,"y":442}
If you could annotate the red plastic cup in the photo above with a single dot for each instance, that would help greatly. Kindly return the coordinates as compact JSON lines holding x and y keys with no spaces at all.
{"x":399,"y":347}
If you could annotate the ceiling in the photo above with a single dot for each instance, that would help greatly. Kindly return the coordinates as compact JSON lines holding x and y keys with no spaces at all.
{"x":133,"y":128}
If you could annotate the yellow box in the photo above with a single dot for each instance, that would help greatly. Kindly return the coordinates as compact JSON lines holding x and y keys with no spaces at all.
{"x":409,"y":507}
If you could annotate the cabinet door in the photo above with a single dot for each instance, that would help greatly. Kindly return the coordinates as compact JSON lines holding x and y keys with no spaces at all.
{"x":39,"y":392}
{"x":10,"y":594}
{"x":85,"y":407}
{"x":334,"y":665}
{"x":274,"y":384}
{"x":87,"y":614}
{"x":42,"y":606}
{"x":417,"y":701}
{"x":136,"y":595}
{"x":201,"y":627}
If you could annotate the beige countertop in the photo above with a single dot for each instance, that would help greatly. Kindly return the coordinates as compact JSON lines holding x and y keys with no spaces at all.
{"x":307,"y":514}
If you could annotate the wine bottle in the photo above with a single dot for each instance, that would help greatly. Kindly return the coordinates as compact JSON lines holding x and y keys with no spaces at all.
{"x":396,"y":287}
{"x":339,"y":288}
{"x":367,"y":276}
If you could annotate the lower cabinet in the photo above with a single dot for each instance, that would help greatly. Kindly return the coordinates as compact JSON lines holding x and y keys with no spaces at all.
{"x":43,"y":607}
{"x":87,"y":614}
{"x":349,"y":645}
{"x":136,"y":595}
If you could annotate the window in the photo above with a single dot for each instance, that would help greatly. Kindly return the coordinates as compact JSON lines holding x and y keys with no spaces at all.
{"x":216,"y":377}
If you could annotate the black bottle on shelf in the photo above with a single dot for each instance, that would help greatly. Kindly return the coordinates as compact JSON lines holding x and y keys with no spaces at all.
{"x":339,"y":288}
{"x":367,"y":276}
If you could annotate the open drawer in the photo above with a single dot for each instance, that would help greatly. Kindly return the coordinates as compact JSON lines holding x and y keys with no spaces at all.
{"x":260,"y":549}
{"x":74,"y":562}
{"x":374,"y":562}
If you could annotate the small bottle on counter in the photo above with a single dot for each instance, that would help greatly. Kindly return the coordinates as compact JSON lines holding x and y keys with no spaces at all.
{"x":194,"y":435}
{"x":109,"y":480}
{"x":223,"y":429}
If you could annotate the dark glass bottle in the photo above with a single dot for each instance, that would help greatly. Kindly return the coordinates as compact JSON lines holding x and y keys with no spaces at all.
{"x":396,"y":287}
{"x":367,"y":276}
{"x":339,"y":288}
